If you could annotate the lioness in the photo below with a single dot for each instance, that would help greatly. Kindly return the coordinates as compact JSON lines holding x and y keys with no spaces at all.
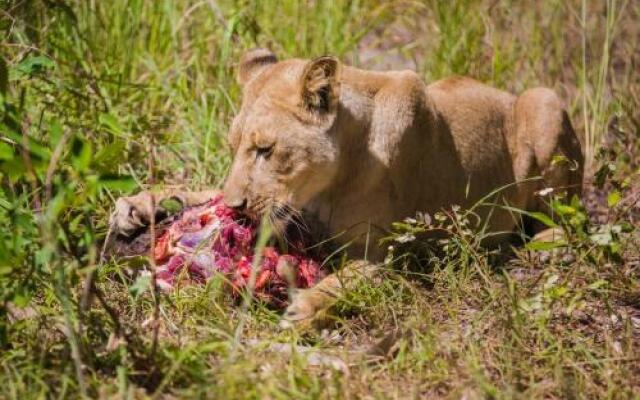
{"x":357,"y":150}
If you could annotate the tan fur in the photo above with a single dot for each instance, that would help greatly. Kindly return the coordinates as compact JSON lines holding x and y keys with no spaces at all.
{"x":359,"y":149}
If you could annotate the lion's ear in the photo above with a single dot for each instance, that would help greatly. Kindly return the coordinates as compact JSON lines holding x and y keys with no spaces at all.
{"x":253,"y":62}
{"x":320,"y":84}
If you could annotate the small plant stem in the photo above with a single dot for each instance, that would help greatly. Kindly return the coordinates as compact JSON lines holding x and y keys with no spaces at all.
{"x":152,"y":260}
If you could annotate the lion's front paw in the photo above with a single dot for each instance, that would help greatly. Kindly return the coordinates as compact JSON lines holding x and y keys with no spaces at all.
{"x":131,"y":213}
{"x":308,"y":309}
{"x":557,"y":251}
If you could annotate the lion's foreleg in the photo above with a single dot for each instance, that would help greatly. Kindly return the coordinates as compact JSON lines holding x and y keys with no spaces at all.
{"x":309,"y":305}
{"x":134,"y":212}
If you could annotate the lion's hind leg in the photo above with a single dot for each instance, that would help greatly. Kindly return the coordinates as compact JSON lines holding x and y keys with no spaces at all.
{"x":551,"y":149}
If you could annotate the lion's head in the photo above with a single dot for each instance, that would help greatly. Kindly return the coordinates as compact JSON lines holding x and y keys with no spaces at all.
{"x":283,"y":140}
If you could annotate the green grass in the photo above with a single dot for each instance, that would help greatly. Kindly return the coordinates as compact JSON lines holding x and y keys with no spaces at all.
{"x":94,"y":87}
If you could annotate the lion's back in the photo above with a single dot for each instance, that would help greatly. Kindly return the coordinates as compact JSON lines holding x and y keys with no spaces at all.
{"x":479,"y":120}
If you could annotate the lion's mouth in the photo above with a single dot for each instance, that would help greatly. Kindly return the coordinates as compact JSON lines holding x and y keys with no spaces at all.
{"x":285,"y":216}
{"x":292,"y":229}
{"x":287,"y":224}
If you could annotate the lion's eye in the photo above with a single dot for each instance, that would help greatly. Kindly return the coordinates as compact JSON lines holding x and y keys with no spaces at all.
{"x":264,"y":152}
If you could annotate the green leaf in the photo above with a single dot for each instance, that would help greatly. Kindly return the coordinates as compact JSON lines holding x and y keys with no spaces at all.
{"x":123,"y":183}
{"x":55,"y":133}
{"x":563,"y":209}
{"x":544,"y":246}
{"x":109,"y":157}
{"x":557,"y":292}
{"x":111,"y":123}
{"x":598,"y":284}
{"x":542,"y":217}
{"x":558,"y":159}
{"x":6,"y":151}
{"x":82,"y":154}
{"x":141,"y":285}
{"x":14,"y":168}
{"x":5,"y":204}
{"x":626,"y":226}
{"x":36,"y":150}
{"x":171,"y":206}
{"x":21,"y":299}
{"x":56,"y":206}
{"x":576,"y":202}
{"x":44,"y":256}
{"x":613,"y":199}
{"x":615,"y":248}
{"x":31,"y":65}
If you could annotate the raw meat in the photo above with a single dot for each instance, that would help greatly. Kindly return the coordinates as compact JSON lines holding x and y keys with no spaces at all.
{"x":213,"y":238}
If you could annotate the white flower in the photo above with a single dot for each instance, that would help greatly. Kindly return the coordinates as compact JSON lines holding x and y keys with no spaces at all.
{"x":544,"y":192}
